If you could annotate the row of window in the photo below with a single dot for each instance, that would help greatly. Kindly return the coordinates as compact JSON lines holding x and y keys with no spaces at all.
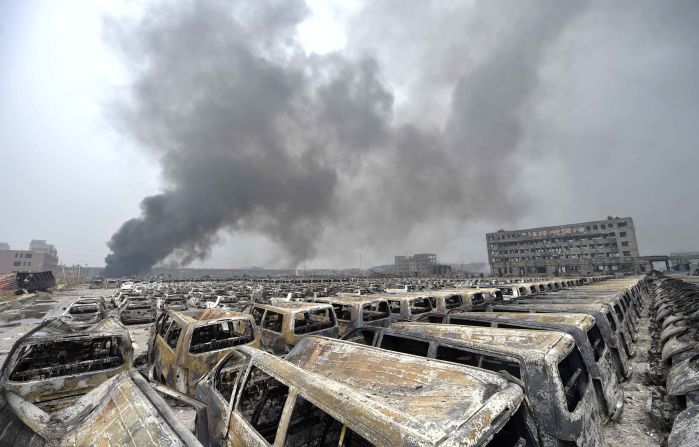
{"x":544,"y":258}
{"x":557,"y":231}
{"x":556,"y":240}
{"x":23,"y":255}
{"x":21,"y":264}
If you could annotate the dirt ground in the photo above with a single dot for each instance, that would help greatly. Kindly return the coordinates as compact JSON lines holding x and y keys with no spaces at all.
{"x":635,"y":429}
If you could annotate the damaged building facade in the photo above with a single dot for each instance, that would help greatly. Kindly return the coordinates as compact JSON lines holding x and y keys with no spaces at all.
{"x":421,"y":264}
{"x":603,"y":246}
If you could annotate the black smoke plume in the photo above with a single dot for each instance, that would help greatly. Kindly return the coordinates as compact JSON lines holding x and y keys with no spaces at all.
{"x":252,"y":134}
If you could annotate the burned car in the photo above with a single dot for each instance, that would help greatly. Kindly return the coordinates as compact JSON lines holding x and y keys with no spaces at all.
{"x":408,"y":307}
{"x":330,"y":392}
{"x":54,"y":364}
{"x":123,"y":411}
{"x":283,"y":324}
{"x":358,"y":311}
{"x":172,"y":302}
{"x":605,"y":320}
{"x":581,"y":327}
{"x":182,"y":348}
{"x":137,"y":310}
{"x":84,"y":312}
{"x":547,"y":364}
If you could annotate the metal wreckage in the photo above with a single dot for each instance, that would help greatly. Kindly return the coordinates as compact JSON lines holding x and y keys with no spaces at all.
{"x":531,"y":364}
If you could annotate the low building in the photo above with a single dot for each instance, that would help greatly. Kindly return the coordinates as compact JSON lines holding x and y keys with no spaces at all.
{"x":40,"y":257}
{"x":603,"y":246}
{"x":421,"y":264}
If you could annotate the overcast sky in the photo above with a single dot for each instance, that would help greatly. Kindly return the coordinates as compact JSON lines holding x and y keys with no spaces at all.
{"x":591,"y":111}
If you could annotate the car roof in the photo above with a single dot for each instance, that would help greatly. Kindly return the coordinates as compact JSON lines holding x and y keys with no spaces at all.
{"x":293,"y":306}
{"x":575,"y":319}
{"x":206,"y":314}
{"x":350,"y":299}
{"x":424,"y":398}
{"x":516,"y":343}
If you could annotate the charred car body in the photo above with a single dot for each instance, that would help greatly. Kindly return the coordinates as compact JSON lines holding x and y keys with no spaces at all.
{"x":183,"y":348}
{"x":583,"y":329}
{"x":54,"y":364}
{"x":329,"y":392}
{"x":547,"y":364}
{"x":358,"y":311}
{"x":605,"y":320}
{"x":85,"y":312}
{"x":284,"y":324}
{"x":134,"y":310}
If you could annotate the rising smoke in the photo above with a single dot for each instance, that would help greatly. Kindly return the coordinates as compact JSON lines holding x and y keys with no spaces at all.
{"x":254,"y":135}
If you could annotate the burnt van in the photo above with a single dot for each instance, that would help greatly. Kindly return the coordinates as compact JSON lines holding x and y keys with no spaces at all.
{"x":330,"y":392}
{"x":547,"y":364}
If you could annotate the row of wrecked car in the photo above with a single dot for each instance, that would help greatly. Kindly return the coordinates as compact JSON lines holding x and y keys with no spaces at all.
{"x":470,"y":370}
{"x":674,"y":355}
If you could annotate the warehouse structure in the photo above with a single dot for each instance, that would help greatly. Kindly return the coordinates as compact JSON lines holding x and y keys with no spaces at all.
{"x":582,"y":248}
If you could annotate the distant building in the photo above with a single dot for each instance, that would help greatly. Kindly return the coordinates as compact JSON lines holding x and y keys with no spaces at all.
{"x":603,"y":246}
{"x":422,"y":264}
{"x":40,"y":257}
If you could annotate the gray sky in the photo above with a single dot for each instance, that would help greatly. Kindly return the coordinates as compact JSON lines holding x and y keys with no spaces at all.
{"x":564,"y":115}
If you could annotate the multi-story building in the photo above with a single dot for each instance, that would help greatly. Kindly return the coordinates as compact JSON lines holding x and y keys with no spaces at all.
{"x":582,"y":248}
{"x":421,"y":264}
{"x":40,"y":257}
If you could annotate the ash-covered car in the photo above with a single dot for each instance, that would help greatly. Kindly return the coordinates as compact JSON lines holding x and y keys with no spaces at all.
{"x":283,"y":324}
{"x":54,"y":363}
{"x":546,"y":364}
{"x":172,"y":302}
{"x":329,"y":392}
{"x":137,"y":310}
{"x":84,"y":312}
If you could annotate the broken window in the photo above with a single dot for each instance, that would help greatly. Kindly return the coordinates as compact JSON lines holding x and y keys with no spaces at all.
{"x":273,"y":321}
{"x":361,"y":336}
{"x":310,"y":426}
{"x":596,"y":341}
{"x":66,"y":357}
{"x":173,"y":334}
{"x":515,"y":433}
{"x":227,"y":375}
{"x":454,"y":301}
{"x":498,"y":364}
{"x":257,"y":314}
{"x":343,"y":312}
{"x":375,"y":311}
{"x":457,"y":356}
{"x":468,"y":322}
{"x":81,"y":310}
{"x":164,"y":324}
{"x":221,"y":335}
{"x":405,"y":345}
{"x":262,"y":402}
{"x":476,"y":298}
{"x":395,"y":306}
{"x":420,"y":306}
{"x":574,"y":378}
{"x":313,"y":320}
